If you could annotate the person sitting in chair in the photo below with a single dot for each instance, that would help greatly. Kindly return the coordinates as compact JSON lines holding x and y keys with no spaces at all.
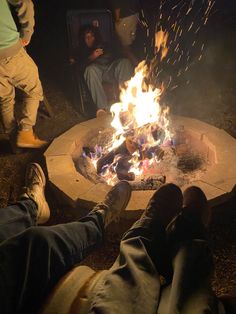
{"x":100,"y":65}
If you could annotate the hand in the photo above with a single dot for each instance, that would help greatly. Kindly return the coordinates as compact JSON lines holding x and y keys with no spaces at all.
{"x":97,"y":53}
{"x":24,"y":42}
{"x":117,"y":21}
{"x":71,"y":61}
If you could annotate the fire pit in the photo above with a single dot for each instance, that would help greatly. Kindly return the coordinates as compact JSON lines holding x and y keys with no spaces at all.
{"x":211,"y":165}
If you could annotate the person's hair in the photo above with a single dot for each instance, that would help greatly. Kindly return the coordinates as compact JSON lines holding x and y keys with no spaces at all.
{"x":89,"y":29}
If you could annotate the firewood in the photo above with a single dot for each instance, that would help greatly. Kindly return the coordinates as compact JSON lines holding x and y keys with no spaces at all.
{"x":108,"y":158}
{"x":150,"y":183}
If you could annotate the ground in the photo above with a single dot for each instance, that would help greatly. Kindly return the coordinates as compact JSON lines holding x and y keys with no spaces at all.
{"x":210,"y":96}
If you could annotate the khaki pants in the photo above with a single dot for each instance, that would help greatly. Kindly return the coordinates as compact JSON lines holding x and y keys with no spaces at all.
{"x":21,"y":72}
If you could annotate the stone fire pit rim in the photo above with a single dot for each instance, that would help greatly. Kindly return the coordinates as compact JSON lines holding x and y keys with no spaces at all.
{"x":217,"y":183}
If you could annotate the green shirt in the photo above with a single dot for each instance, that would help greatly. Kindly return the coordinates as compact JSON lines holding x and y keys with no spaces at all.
{"x":9,"y":34}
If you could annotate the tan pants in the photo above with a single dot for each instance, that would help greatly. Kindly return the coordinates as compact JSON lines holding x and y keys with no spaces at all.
{"x":21,"y":72}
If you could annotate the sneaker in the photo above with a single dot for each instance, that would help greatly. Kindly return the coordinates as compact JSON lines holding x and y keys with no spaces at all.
{"x":165,"y":204}
{"x":27,"y":139}
{"x":35,"y":182}
{"x":195,"y":205}
{"x":115,"y":202}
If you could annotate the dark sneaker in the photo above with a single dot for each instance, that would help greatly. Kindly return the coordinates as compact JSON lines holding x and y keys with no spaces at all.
{"x":196,"y":205}
{"x":165,"y":203}
{"x":115,"y":202}
{"x":190,"y":223}
{"x":35,"y":182}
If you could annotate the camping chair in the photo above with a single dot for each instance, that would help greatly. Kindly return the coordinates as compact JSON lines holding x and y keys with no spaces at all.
{"x":75,"y":19}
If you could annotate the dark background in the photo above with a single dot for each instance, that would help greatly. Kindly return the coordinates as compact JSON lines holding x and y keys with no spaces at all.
{"x":216,"y":70}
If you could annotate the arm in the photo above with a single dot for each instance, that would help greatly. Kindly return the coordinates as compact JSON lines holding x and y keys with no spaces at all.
{"x":95,"y":54}
{"x":25,"y":13}
{"x":117,"y":14}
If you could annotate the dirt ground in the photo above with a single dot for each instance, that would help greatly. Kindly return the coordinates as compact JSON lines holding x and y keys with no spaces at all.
{"x":210,"y":96}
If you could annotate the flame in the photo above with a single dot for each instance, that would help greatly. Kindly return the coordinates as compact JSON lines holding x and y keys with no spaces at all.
{"x":161,"y":38}
{"x":140,"y":124}
{"x":136,"y":118}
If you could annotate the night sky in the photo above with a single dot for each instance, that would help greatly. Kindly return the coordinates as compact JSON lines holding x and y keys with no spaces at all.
{"x":49,"y":45}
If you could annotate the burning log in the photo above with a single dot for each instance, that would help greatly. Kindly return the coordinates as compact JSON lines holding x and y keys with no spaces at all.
{"x":122,"y":169}
{"x":109,"y":157}
{"x":121,"y":156}
{"x":156,"y":151}
{"x":149,"y":183}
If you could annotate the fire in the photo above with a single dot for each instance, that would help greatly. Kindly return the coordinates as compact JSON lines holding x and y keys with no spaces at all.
{"x":139,"y":106}
{"x":141,"y":129}
{"x":141,"y":125}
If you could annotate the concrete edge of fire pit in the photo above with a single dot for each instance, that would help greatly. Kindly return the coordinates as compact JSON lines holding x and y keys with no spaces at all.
{"x":74,"y":189}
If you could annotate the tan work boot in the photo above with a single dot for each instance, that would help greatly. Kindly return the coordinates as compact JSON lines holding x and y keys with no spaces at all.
{"x":27,"y":139}
{"x":35,"y":182}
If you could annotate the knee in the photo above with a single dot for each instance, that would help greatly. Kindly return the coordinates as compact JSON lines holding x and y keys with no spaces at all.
{"x":90,"y":72}
{"x":125,"y":70}
{"x":40,"y":235}
{"x":34,"y":89}
{"x":126,"y":66}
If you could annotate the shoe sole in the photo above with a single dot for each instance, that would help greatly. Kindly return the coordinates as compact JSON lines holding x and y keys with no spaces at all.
{"x":20,"y":145}
{"x":130,"y":192}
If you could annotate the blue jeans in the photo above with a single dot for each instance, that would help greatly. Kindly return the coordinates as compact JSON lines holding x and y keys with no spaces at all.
{"x":33,"y":258}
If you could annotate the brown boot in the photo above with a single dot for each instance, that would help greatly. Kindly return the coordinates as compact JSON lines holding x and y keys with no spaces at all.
{"x":27,"y":139}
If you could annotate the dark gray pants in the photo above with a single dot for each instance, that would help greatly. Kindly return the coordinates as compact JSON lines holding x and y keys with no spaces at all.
{"x":133,"y":284}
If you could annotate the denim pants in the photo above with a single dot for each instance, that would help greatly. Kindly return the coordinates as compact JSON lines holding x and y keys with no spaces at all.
{"x":33,"y":258}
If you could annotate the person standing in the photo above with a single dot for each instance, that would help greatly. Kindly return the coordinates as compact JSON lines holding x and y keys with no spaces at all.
{"x":126,"y":15}
{"x":18,"y":70}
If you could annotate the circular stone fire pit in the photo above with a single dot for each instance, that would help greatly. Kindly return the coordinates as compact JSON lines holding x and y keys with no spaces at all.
{"x":216,"y":146}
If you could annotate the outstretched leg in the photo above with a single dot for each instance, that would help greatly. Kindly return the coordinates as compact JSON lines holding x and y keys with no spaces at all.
{"x":31,"y":210}
{"x":34,"y":260}
{"x":190,"y":290}
{"x":133,"y":284}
